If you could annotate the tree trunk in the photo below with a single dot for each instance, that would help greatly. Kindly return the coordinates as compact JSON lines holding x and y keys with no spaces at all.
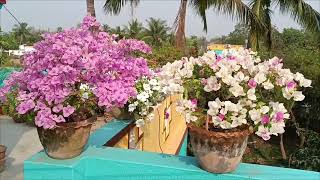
{"x":90,"y":8}
{"x":283,"y":151}
{"x":180,"y":37}
{"x":21,"y":37}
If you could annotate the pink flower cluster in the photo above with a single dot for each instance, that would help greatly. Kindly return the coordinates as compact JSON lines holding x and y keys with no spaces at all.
{"x":62,"y":61}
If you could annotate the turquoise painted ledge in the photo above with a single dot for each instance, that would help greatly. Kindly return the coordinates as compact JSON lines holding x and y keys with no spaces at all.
{"x":113,"y":163}
{"x":99,"y":163}
{"x":100,"y":136}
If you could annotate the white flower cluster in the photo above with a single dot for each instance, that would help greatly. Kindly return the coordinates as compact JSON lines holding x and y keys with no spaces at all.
{"x":187,"y":107}
{"x":246,"y":83}
{"x":85,"y":91}
{"x":171,"y":75}
{"x":148,"y":96}
{"x":227,"y":114}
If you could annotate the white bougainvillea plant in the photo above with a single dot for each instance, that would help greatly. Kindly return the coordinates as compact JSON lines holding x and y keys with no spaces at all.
{"x":148,"y":96}
{"x":235,"y":88}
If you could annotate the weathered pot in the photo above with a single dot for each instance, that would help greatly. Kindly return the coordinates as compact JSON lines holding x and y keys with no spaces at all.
{"x":121,"y":113}
{"x":2,"y":151}
{"x":2,"y":157}
{"x":2,"y":164}
{"x":218,"y":152}
{"x":66,"y":140}
{"x":18,"y":120}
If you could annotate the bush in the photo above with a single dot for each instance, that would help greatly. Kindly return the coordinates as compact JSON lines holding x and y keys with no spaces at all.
{"x":307,"y":158}
{"x":162,"y":55}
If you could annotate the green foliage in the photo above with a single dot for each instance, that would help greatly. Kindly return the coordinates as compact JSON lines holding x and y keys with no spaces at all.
{"x":156,"y":32}
{"x":8,"y":41}
{"x":9,"y":108}
{"x":4,"y":59}
{"x":163,"y":54}
{"x":134,"y":29}
{"x":238,"y":36}
{"x":196,"y":45}
{"x":308,"y":157}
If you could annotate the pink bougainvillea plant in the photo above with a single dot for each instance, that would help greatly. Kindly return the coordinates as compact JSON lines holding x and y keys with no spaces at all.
{"x":75,"y":70}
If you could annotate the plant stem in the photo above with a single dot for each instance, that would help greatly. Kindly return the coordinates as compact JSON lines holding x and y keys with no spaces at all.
{"x":283,"y":152}
{"x":207,"y":123}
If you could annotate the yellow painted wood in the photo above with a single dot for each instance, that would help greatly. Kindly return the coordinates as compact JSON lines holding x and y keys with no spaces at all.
{"x":158,"y":138}
{"x":123,"y":143}
{"x":222,"y":46}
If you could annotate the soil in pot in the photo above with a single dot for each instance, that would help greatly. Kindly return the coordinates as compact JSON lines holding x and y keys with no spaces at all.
{"x":66,"y":140}
{"x":218,"y":151}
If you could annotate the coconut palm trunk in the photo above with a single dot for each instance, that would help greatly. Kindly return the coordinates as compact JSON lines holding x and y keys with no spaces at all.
{"x":180,"y":23}
{"x":90,"y":8}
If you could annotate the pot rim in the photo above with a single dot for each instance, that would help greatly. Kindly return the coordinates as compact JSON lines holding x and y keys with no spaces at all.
{"x":235,"y":133}
{"x":77,"y":124}
{"x":3,"y":148}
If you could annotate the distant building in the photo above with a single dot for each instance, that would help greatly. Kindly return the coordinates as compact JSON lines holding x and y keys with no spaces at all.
{"x":220,"y":47}
{"x":21,"y":51}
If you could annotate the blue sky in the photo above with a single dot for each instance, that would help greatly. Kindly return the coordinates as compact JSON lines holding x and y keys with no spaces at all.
{"x":50,"y":14}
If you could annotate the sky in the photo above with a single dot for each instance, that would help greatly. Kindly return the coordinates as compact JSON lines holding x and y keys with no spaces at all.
{"x":50,"y":14}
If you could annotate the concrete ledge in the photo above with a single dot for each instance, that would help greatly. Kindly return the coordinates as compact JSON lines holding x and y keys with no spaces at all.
{"x":113,"y":163}
{"x":99,"y":162}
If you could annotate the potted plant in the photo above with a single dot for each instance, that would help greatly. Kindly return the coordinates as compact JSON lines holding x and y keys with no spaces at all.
{"x":68,"y":76}
{"x":229,"y":96}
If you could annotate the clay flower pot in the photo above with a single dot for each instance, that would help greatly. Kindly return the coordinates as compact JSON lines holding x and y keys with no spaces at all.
{"x":18,"y":120}
{"x":121,"y":113}
{"x":66,"y":140}
{"x":2,"y":151}
{"x":218,"y":152}
{"x":2,"y":157}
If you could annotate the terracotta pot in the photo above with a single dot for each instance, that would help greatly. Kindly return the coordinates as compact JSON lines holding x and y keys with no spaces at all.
{"x":219,"y":151}
{"x":2,"y":151}
{"x":66,"y":140}
{"x":2,"y":157}
{"x":2,"y":164}
{"x":18,"y":120}
{"x":121,"y":113}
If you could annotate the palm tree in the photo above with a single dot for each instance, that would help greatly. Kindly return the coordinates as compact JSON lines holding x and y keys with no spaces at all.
{"x":257,"y":15}
{"x":134,"y":29}
{"x":21,"y":31}
{"x":90,"y":8}
{"x":119,"y":31}
{"x":235,"y":8}
{"x":156,"y":32}
{"x":106,"y":27}
{"x":301,"y":12}
{"x":179,"y":25}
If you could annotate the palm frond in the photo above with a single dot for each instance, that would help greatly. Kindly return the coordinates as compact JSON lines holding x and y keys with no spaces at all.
{"x":301,"y":12}
{"x":236,"y":9}
{"x":114,"y":6}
